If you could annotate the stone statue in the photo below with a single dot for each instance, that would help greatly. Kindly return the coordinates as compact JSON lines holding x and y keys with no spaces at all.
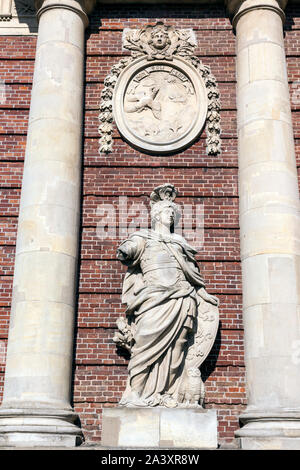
{"x":171,"y":321}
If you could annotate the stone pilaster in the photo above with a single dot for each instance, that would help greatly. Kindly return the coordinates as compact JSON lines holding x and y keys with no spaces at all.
{"x":269,"y":224}
{"x":36,"y":406}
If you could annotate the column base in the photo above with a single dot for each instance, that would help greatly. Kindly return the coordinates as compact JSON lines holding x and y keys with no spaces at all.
{"x":159,"y":428}
{"x":29,"y":427}
{"x":272,"y":430}
{"x":271,"y":443}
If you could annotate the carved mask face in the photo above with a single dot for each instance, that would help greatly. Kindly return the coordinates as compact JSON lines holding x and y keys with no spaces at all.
{"x":159,"y":39}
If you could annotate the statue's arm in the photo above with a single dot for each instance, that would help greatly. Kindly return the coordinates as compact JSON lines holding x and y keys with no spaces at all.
{"x":200,"y":285}
{"x":127,"y":251}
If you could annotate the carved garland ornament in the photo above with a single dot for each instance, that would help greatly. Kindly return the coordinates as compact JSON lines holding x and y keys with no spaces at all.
{"x":161,"y":96}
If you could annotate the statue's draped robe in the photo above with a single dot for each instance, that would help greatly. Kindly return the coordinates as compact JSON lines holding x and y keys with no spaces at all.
{"x":162,"y":315}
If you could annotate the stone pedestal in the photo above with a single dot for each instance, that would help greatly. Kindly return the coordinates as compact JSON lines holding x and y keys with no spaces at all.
{"x":159,"y":428}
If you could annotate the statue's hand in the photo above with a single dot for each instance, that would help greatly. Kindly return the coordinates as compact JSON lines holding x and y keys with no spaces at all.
{"x":213,"y":300}
{"x":208,"y":297}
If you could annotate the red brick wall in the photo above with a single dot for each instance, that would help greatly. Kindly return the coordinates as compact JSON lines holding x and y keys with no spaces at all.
{"x":99,"y":372}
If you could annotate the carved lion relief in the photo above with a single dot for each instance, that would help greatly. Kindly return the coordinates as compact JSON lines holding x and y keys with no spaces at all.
{"x":161,"y":96}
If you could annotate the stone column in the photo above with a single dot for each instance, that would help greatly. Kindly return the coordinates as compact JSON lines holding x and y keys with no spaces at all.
{"x":36,"y":407}
{"x":269,"y":224}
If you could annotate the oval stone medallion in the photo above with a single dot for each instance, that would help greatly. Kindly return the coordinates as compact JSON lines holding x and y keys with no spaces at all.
{"x":160,"y":106}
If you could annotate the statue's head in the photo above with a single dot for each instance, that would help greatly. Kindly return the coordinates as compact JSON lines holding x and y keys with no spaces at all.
{"x":166,"y":213}
{"x":163,"y":208}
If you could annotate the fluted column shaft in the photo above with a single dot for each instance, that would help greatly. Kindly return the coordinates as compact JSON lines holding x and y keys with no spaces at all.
{"x":36,"y":405}
{"x":269,"y":224}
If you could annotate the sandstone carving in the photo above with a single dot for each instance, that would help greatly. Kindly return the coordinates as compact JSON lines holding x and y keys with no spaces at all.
{"x":159,"y":41}
{"x":161,"y":107}
{"x":171,"y":321}
{"x":161,"y":96}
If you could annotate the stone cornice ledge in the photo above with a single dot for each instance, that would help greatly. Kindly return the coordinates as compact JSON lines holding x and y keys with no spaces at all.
{"x":232,"y":6}
{"x":159,"y":2}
